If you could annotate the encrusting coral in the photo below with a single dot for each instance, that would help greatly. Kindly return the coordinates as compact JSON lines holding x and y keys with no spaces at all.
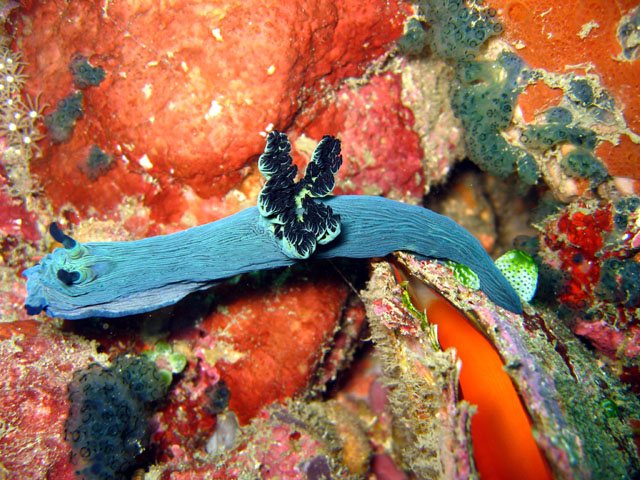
{"x":108,"y":424}
{"x":19,"y":118}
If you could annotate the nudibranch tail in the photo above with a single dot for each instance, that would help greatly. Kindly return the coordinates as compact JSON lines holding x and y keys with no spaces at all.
{"x":377,"y":226}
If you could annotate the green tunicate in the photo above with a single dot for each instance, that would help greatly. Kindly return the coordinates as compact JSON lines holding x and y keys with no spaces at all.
{"x":582,"y":163}
{"x":143,"y":377}
{"x":620,"y":282}
{"x":457,"y":29}
{"x":98,"y":163}
{"x":108,"y":425}
{"x":543,"y":137}
{"x":162,"y":348}
{"x":62,"y":120}
{"x":484,"y":99}
{"x":629,"y":34}
{"x":166,"y":376}
{"x":84,"y":74}
{"x":520,"y":269}
{"x":559,"y":115}
{"x":414,"y":39}
{"x":623,"y":208}
{"x":528,"y":169}
{"x":581,"y":91}
{"x":178,"y":362}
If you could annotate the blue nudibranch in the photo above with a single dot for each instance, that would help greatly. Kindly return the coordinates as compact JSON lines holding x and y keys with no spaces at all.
{"x":292,"y":221}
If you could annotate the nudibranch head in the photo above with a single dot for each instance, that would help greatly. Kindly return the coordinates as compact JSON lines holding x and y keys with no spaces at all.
{"x":297,"y":221}
{"x":68,"y":268}
{"x":61,"y":237}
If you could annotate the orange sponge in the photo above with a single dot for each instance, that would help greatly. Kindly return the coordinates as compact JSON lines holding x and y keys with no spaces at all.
{"x":503,"y":445}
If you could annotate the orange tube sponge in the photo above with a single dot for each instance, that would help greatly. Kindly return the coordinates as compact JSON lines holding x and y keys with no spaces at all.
{"x":503,"y":444}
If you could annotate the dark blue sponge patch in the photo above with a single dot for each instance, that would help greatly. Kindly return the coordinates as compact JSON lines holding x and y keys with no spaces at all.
{"x":108,"y":423}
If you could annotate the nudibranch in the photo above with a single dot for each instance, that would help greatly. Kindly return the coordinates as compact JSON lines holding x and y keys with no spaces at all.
{"x":293,"y":221}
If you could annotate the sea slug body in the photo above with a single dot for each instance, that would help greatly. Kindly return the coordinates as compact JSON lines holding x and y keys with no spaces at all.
{"x":112,"y":279}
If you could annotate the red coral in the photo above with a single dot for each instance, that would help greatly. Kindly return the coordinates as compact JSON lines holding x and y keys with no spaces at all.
{"x":37,"y":365}
{"x":381,"y":153}
{"x":577,"y":241}
{"x":577,"y":236}
{"x":585,"y":230}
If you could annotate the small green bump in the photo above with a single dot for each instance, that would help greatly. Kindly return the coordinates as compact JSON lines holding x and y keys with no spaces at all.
{"x":166,"y":376}
{"x":150,"y":355}
{"x":609,"y":408}
{"x":163,"y":355}
{"x":408,"y":304}
{"x":521,"y":271}
{"x":465,"y":276}
{"x":178,"y":362}
{"x":414,"y":39}
{"x":162,"y":348}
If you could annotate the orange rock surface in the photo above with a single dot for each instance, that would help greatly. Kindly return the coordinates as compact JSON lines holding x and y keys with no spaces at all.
{"x":571,"y":36}
{"x":189,"y":88}
{"x":267,"y":345}
{"x":37,"y":363}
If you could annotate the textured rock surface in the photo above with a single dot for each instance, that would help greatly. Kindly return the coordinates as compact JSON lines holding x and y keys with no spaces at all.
{"x":37,"y":365}
{"x":294,"y":441}
{"x":594,"y":245}
{"x":558,"y":379}
{"x":380,"y":150}
{"x":185,"y":107}
{"x":268,"y":344}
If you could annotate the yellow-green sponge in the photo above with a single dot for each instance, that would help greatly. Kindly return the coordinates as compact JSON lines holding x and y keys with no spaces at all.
{"x":521,"y":271}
